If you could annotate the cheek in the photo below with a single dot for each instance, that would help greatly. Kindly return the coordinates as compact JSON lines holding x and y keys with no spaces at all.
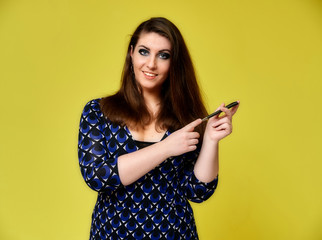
{"x":165,"y":68}
{"x":137,"y":62}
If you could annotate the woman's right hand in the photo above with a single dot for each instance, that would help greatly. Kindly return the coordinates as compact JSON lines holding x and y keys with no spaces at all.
{"x":134,"y":165}
{"x":183,"y":140}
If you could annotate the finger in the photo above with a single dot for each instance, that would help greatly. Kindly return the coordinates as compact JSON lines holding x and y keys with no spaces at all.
{"x":194,"y":135}
{"x":221,"y":105}
{"x":220,"y":122}
{"x":218,"y":115}
{"x":191,"y":148}
{"x":188,"y":136}
{"x":191,"y":136}
{"x":224,"y":127}
{"x":234,"y":109}
{"x":227,"y":112}
{"x":193,"y":142}
{"x":191,"y":126}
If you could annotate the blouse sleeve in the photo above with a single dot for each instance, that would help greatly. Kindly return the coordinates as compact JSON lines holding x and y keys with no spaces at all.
{"x":98,"y":168}
{"x":195,"y":190}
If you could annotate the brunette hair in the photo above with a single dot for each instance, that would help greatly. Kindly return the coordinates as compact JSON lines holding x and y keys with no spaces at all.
{"x":181,"y":101}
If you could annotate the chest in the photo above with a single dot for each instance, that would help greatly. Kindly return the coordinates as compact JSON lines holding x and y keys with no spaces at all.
{"x":148,"y":134}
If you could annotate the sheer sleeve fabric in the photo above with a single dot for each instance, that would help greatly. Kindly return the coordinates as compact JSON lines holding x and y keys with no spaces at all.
{"x":98,"y":167}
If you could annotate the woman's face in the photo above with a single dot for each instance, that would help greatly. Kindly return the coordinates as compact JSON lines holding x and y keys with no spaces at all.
{"x":151,"y":61}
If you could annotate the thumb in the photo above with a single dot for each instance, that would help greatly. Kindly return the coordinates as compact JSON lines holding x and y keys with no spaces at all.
{"x":191,"y":126}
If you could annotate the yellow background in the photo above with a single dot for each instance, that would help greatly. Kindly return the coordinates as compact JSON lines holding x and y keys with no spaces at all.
{"x":57,"y":55}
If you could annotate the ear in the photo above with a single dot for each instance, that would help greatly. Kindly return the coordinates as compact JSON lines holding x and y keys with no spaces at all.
{"x":131,"y":52}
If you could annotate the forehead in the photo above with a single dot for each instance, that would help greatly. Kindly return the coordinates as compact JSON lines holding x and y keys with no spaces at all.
{"x":154,"y":41}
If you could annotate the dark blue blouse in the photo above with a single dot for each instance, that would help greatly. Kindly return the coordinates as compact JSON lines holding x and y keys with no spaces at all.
{"x":155,"y":206}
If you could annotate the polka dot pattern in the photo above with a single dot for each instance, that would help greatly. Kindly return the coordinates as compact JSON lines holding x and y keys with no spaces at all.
{"x":155,"y":206}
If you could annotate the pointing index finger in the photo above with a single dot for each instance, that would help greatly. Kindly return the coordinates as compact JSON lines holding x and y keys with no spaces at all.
{"x":191,"y":126}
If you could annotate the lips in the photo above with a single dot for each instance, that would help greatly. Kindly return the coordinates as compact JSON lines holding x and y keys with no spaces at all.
{"x":150,"y":75}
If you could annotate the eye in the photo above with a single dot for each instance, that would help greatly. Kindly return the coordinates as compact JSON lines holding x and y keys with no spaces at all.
{"x":164,"y":55}
{"x":143,"y":52}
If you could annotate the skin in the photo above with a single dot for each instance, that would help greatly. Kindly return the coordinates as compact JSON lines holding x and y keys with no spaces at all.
{"x":151,"y":68}
{"x":151,"y":64}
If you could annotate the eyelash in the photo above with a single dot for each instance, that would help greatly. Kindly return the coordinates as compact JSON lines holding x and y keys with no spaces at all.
{"x":164,"y":55}
{"x":161,"y":55}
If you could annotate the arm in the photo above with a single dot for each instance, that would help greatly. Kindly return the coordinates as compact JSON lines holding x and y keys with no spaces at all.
{"x":101,"y":171}
{"x":98,"y":168}
{"x":134,"y":165}
{"x":207,"y":166}
{"x":194,"y":189}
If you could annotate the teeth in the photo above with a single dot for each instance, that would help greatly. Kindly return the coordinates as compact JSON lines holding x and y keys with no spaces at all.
{"x":150,"y":74}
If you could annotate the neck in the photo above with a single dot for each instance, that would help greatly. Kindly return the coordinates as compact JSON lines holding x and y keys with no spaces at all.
{"x":152,"y":101}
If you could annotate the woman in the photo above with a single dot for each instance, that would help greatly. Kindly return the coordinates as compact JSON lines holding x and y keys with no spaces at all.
{"x":140,"y":147}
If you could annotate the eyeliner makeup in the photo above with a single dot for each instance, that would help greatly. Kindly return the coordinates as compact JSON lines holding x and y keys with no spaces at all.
{"x":219,"y":111}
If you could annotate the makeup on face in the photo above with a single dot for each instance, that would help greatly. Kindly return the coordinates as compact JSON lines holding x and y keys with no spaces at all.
{"x":163,"y":54}
{"x":151,"y":60}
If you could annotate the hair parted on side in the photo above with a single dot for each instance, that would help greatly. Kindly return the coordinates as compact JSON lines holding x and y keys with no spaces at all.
{"x":181,"y":100}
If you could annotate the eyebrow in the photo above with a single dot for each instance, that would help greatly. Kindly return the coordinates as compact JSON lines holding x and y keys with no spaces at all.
{"x":162,"y":50}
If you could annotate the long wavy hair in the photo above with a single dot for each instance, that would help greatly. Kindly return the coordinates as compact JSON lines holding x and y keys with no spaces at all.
{"x":181,"y":101}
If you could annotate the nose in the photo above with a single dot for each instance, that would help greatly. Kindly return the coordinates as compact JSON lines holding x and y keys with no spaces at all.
{"x":151,"y":64}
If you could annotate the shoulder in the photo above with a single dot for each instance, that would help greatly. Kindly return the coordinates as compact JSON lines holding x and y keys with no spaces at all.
{"x":92,"y":105}
{"x":92,"y":110}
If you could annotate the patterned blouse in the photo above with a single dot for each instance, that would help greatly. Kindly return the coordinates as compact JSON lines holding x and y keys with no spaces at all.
{"x":156,"y":205}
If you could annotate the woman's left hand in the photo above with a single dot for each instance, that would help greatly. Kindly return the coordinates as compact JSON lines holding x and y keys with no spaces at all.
{"x":218,"y":126}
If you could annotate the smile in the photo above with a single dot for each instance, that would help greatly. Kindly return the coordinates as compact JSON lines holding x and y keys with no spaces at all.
{"x":150,"y":74}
